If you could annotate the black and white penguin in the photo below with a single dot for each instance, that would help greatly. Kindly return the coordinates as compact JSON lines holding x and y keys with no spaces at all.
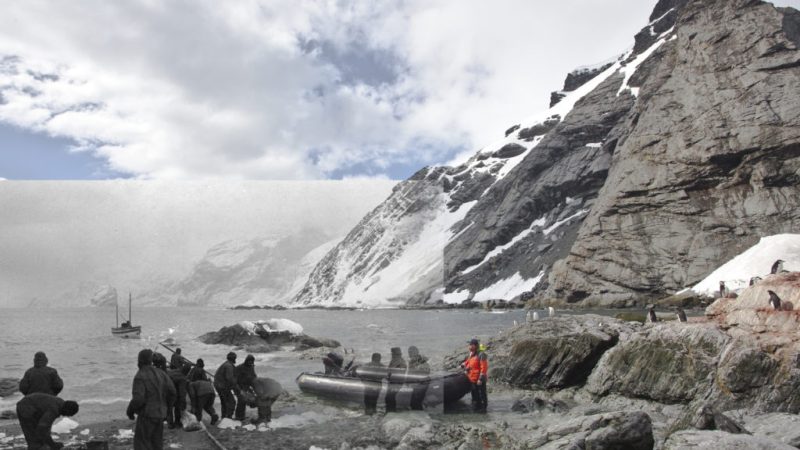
{"x":754,"y":280}
{"x":681,"y":314}
{"x":723,"y":291}
{"x":651,"y":315}
{"x":777,"y":267}
{"x":774,"y":300}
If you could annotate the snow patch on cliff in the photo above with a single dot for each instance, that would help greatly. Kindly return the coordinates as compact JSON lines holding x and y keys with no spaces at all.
{"x":753,"y":262}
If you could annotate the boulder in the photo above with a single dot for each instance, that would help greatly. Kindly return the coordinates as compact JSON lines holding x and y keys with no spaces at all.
{"x":628,"y":430}
{"x":720,"y":439}
{"x":259,"y":337}
{"x":668,"y":363}
{"x":780,"y":427}
{"x":556,"y":352}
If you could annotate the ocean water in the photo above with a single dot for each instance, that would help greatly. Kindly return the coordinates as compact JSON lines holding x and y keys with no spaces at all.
{"x":98,"y":369}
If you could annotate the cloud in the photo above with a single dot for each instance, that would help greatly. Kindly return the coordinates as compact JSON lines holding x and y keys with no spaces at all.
{"x":292,"y":90}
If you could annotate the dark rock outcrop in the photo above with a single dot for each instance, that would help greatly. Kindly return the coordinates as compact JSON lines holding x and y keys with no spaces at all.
{"x":261,"y":340}
{"x":664,"y":362}
{"x":556,"y":352}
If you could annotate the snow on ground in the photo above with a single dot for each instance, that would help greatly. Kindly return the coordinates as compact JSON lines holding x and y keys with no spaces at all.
{"x":552,"y":227}
{"x":538,"y":223}
{"x":273,"y":325}
{"x":421,"y":259}
{"x":755,"y":261}
{"x":631,"y":67}
{"x":64,"y":425}
{"x":508,"y":288}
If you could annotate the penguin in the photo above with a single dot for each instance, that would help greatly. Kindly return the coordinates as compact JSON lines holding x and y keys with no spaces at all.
{"x":723,"y":291}
{"x":776,"y":267}
{"x":535,"y":316}
{"x":681,"y":314}
{"x":754,"y":280}
{"x":651,"y":315}
{"x":774,"y":300}
{"x":551,"y":311}
{"x":528,"y":316}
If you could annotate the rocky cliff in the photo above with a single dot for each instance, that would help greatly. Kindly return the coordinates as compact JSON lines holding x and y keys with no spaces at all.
{"x":645,"y":175}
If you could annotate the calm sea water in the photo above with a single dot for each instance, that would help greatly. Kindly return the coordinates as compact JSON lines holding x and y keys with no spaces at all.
{"x":98,"y":369}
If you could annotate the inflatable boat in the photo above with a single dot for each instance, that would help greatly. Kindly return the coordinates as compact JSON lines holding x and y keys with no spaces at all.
{"x":444,"y":388}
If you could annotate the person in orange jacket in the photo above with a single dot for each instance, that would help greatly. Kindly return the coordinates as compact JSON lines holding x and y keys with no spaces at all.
{"x":476,"y":367}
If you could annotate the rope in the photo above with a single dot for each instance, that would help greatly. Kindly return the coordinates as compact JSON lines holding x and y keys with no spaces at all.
{"x":213,"y":439}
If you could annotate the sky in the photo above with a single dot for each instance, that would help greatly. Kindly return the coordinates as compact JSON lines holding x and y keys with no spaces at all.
{"x":133,"y":234}
{"x":279,"y":89}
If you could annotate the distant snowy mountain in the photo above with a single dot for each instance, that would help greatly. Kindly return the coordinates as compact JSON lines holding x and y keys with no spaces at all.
{"x":266,"y":271}
{"x":85,"y":294}
{"x":647,"y":173}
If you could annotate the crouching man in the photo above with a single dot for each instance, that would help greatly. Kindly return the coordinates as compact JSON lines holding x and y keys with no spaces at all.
{"x":37,"y":412}
{"x":266,"y":392}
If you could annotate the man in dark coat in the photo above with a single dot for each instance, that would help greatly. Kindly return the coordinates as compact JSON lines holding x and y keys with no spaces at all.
{"x":245,"y":374}
{"x":198,"y":372}
{"x":266,"y":392}
{"x":152,"y":394}
{"x":201,"y":393}
{"x":397,"y":362}
{"x":176,"y":360}
{"x":178,"y":377}
{"x":225,"y":384}
{"x":41,"y":378}
{"x":37,"y":412}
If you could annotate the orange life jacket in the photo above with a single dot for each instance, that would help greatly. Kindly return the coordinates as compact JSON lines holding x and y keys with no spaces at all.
{"x":477,"y":365}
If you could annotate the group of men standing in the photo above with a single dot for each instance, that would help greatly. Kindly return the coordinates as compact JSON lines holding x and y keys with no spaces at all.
{"x":41,"y":405}
{"x":160,"y":393}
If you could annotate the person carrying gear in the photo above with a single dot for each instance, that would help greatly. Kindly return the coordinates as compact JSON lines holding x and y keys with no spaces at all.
{"x":333,"y":363}
{"x":176,"y":360}
{"x":201,"y":394}
{"x":36,"y":413}
{"x":245,"y":374}
{"x":225,"y":384}
{"x":397,"y":362}
{"x":476,"y":367}
{"x":41,"y":378}
{"x":418,"y":363}
{"x":178,"y":377}
{"x":198,"y":372}
{"x":152,"y":394}
{"x":372,"y":389}
{"x":265,"y":391}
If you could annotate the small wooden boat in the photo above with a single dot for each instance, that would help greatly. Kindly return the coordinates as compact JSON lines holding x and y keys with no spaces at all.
{"x":126,"y":330}
{"x":443,"y":388}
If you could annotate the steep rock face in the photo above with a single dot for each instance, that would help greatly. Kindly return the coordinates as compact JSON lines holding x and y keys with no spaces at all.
{"x":708,"y":162}
{"x":639,"y":182}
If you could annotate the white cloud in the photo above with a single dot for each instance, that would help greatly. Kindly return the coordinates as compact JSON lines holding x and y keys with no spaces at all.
{"x":207,"y":89}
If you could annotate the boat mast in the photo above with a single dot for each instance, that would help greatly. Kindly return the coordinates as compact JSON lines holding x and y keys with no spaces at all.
{"x":116,"y":306}
{"x":130,"y":317}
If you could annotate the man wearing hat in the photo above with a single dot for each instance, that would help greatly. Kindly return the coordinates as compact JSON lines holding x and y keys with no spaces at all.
{"x":225,"y":384}
{"x":153,"y":394}
{"x":245,"y":374}
{"x":476,"y":367}
{"x":41,"y":378}
{"x":37,"y":412}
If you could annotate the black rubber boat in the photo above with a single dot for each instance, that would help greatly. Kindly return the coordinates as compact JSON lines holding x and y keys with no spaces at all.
{"x":441,"y":388}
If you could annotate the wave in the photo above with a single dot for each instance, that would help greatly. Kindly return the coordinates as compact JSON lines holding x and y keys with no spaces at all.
{"x":103,"y":401}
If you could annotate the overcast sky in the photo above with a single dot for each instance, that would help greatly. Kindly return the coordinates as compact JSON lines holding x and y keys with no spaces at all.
{"x":282,"y":89}
{"x":55,"y":235}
